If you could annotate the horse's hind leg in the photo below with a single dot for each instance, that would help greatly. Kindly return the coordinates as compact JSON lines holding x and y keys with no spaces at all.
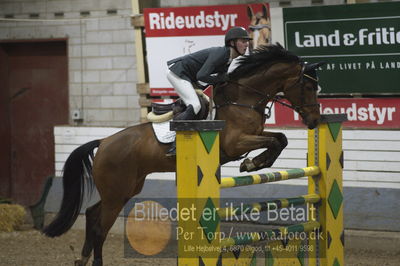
{"x":92,"y":215}
{"x":108,"y":214}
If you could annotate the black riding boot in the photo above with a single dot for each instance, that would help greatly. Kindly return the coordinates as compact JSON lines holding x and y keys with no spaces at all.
{"x":188,"y":114}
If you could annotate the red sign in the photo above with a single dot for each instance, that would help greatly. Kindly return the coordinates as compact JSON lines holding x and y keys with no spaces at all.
{"x":196,"y":20}
{"x":173,"y":32}
{"x":361,"y":113}
{"x":163,"y":92}
{"x":382,"y":113}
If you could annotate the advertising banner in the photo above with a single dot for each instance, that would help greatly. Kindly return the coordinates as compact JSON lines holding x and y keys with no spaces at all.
{"x":173,"y":32}
{"x":360,"y":43}
{"x":361,"y":113}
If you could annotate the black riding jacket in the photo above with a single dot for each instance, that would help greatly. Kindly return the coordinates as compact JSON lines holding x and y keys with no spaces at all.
{"x":200,"y":65}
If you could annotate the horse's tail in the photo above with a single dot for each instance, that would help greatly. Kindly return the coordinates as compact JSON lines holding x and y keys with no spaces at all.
{"x":77,"y":167}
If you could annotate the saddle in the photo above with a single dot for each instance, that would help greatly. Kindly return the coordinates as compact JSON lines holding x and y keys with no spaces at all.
{"x":164,"y":112}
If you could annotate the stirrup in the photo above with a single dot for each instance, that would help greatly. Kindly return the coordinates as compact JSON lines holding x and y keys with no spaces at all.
{"x":172,"y":151}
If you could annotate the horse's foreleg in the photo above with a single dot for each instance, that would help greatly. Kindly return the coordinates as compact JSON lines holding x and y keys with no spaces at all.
{"x":247,"y":143}
{"x":268,"y":157}
{"x":274,"y":142}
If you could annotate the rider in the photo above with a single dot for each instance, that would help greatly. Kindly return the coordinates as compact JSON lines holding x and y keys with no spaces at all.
{"x":208,"y":66}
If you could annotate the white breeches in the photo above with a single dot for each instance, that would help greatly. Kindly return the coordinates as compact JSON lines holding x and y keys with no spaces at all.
{"x":185,"y":90}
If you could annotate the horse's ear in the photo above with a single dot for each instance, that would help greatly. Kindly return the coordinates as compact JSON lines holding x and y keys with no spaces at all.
{"x":313,"y":66}
{"x":250,"y":12}
{"x":265,"y":11}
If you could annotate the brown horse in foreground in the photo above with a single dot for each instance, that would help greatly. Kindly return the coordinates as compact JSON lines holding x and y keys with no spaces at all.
{"x":124,"y":159}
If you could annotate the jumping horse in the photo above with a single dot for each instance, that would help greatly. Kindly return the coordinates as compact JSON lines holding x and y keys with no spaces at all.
{"x":124,"y":159}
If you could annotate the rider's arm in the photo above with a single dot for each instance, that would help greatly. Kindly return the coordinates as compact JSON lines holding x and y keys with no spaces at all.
{"x":216,"y":58}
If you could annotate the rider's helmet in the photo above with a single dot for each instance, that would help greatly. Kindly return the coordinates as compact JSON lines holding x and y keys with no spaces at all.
{"x":236,"y":33}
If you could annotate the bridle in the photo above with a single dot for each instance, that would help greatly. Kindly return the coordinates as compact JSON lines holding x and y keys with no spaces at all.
{"x":275,"y":99}
{"x":300,"y":80}
{"x":259,"y":27}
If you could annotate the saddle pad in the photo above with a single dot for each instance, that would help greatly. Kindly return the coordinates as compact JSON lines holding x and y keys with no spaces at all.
{"x":162,"y":132}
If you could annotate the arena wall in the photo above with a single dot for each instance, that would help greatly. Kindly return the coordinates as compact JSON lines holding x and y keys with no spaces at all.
{"x":101,"y":49}
{"x":101,"y":52}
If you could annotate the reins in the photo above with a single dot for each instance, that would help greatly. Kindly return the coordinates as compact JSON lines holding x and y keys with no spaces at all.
{"x":267,"y":98}
{"x":300,"y":80}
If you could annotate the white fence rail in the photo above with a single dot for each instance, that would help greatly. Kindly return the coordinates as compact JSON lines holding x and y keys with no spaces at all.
{"x":372,"y":157}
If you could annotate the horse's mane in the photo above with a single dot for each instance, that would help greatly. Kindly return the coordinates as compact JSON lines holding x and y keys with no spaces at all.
{"x":262,"y":56}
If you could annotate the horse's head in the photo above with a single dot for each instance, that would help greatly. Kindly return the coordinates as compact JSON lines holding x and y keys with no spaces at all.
{"x":271,"y":70}
{"x":301,"y":91}
{"x":260,"y":26}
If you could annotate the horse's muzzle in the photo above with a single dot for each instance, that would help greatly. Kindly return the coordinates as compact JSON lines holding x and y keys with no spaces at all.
{"x":311,"y":120}
{"x":313,"y":124}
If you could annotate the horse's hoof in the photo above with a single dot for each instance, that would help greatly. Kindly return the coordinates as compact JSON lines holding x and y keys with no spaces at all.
{"x":268,"y":164}
{"x":97,"y":262}
{"x":247,"y":165}
{"x":82,"y":262}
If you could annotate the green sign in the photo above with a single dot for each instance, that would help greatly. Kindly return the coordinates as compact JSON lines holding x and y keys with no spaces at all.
{"x":360,"y":43}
